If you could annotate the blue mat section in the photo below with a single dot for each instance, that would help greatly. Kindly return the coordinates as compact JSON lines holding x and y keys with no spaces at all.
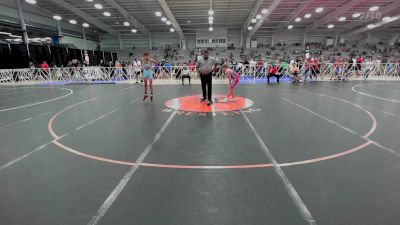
{"x":76,"y":82}
{"x":243,"y":80}
{"x":251,"y":80}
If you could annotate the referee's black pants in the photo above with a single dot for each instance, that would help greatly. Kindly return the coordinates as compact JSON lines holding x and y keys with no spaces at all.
{"x":206,"y":83}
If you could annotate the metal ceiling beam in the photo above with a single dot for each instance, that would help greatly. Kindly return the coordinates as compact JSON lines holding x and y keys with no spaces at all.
{"x":333,"y":15}
{"x":252,"y":13}
{"x":393,"y":39}
{"x":171,"y":18}
{"x":376,"y":25}
{"x":134,"y":22}
{"x":271,"y":9}
{"x":85,"y":16}
{"x":387,"y":9}
{"x":293,"y":15}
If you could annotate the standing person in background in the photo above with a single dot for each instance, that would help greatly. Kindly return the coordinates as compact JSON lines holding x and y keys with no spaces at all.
{"x":129,"y":71}
{"x":359,"y":61}
{"x":368,"y":68}
{"x":192,"y":65}
{"x":282,"y":68}
{"x":260,"y":67}
{"x":32,"y":69}
{"x":148,"y":64}
{"x":45,"y":66}
{"x":308,"y":69}
{"x":119,"y":73}
{"x":137,"y":67}
{"x":168,"y":69}
{"x":252,"y":65}
{"x":205,"y":67}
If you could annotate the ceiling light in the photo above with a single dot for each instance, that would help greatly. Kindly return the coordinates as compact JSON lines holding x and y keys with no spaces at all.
{"x":264,"y":11}
{"x":210,"y":12}
{"x":89,"y":0}
{"x":211,"y":21}
{"x":98,"y":6}
{"x":164,"y":19}
{"x":371,"y":26}
{"x":330,"y":26}
{"x":254,"y":20}
{"x":389,"y":19}
{"x":211,"y":18}
{"x":57,"y":17}
{"x":373,"y":8}
{"x":31,"y":1}
{"x":126,"y":24}
{"x":342,"y":18}
{"x":210,"y":29}
{"x":168,"y":22}
{"x":250,"y":28}
{"x":134,"y":31}
{"x":308,"y":15}
{"x":355,"y":15}
{"x":158,"y":13}
{"x":85,"y":24}
{"x":290,"y":27}
{"x":258,"y":17}
{"x":319,"y":10}
{"x":298,"y":19}
{"x":72,"y":21}
{"x":172,"y":29}
{"x":6,"y":33}
{"x":106,"y":13}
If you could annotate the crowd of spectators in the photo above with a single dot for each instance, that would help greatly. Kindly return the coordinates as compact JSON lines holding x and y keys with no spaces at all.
{"x":341,"y":62}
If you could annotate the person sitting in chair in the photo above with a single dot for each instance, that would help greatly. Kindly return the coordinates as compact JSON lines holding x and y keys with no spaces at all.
{"x":185,"y":73}
{"x":273,"y":72}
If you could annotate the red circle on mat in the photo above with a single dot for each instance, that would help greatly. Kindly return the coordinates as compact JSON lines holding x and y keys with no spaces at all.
{"x":193,"y":104}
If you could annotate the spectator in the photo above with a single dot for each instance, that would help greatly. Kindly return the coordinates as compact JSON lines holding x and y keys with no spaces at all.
{"x":272,"y":72}
{"x":45,"y":66}
{"x":137,"y":65}
{"x":186,"y":74}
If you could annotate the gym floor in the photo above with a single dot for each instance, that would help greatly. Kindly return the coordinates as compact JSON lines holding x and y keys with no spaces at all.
{"x":313,"y":153}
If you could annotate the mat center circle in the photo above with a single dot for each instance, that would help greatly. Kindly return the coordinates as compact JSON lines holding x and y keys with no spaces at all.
{"x":193,"y":104}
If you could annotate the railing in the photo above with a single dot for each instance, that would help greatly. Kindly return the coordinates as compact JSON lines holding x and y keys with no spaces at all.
{"x":324,"y":71}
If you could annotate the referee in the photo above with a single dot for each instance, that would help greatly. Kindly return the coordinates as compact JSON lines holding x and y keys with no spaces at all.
{"x":205,"y":67}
